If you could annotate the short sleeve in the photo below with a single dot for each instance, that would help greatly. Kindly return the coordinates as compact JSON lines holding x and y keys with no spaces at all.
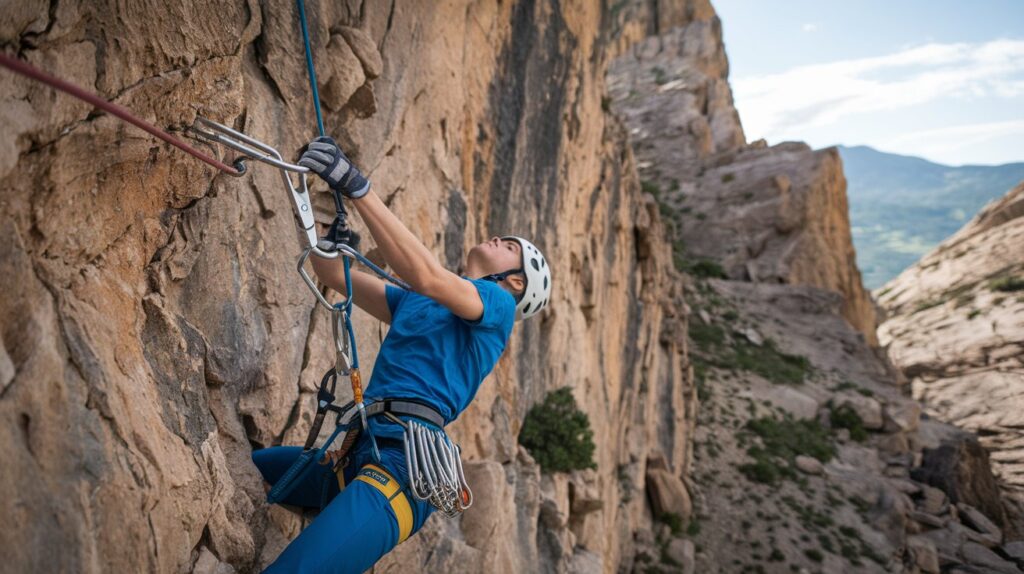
{"x":499,"y":306}
{"x":394,"y":296}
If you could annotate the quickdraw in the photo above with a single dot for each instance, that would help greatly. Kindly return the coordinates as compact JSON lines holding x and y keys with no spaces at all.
{"x":435,"y":469}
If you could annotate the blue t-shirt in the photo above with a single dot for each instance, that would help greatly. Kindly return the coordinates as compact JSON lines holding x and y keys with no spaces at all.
{"x":433,"y":355}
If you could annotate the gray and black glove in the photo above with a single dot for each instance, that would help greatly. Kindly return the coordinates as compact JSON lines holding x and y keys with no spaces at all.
{"x":324,"y":158}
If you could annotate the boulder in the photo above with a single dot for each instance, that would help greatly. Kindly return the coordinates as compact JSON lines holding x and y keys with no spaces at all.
{"x":978,"y":555}
{"x":975,"y":519}
{"x":933,"y":501}
{"x":809,"y":465}
{"x":1015,"y":550}
{"x":668,"y":494}
{"x":928,"y":519}
{"x":923,"y":554}
{"x":683,"y":553}
{"x":790,"y":400}
{"x":868,"y":409}
{"x":960,"y":467}
{"x":902,"y":416}
{"x":365,"y":49}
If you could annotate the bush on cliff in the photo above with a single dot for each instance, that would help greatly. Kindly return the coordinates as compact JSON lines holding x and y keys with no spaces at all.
{"x":558,"y":434}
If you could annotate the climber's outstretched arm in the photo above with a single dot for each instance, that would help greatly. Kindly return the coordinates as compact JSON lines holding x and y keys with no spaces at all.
{"x":410,"y":259}
{"x":367,"y":290}
{"x":414,"y":263}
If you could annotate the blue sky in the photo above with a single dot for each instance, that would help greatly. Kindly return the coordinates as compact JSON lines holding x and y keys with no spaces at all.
{"x":939,"y":79}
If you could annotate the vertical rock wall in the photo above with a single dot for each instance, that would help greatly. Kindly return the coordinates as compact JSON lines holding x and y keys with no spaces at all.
{"x":154,"y":330}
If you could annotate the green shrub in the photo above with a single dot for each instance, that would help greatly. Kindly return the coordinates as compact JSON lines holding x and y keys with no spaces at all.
{"x":1007,"y":284}
{"x":558,"y":434}
{"x":674,"y":522}
{"x":771,"y":363}
{"x":814,"y":554}
{"x":845,"y":417}
{"x":660,"y":76}
{"x":781,"y":441}
{"x":706,"y":336}
{"x":650,"y":187}
{"x":705,"y":268}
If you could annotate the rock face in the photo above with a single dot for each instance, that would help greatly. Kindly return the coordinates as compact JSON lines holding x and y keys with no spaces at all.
{"x":955,"y":326}
{"x":153,"y":328}
{"x":809,"y":456}
{"x":764,"y":214}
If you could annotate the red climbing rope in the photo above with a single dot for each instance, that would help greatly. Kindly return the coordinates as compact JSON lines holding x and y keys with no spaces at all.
{"x":24,"y":69}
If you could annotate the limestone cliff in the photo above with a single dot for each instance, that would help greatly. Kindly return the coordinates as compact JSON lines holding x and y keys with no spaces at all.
{"x":808,"y":454}
{"x":154,"y":330}
{"x":765,"y":214}
{"x":955,"y":326}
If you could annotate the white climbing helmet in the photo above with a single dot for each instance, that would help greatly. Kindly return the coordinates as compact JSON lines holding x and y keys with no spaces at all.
{"x":538,"y":280}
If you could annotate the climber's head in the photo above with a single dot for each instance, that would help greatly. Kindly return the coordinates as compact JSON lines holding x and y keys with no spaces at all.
{"x":518,"y":266}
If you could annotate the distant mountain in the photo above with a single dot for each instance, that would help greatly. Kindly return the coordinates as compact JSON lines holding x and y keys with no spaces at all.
{"x":902,"y":206}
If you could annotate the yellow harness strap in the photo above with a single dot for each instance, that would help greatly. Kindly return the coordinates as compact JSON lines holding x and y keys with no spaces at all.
{"x":380,"y":479}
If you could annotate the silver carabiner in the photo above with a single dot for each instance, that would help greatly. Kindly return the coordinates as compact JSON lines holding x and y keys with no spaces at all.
{"x":342,"y":350}
{"x":254,"y":149}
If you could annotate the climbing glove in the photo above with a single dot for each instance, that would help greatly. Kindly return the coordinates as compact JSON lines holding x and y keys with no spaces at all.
{"x":324,"y":158}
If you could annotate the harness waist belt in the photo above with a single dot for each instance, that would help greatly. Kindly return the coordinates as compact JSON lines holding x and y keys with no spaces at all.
{"x":398,"y":407}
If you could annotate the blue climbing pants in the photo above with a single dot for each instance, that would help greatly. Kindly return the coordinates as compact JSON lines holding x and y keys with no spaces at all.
{"x":360,"y":523}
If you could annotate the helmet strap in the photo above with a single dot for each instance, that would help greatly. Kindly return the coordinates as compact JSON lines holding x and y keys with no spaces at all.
{"x":498,"y":277}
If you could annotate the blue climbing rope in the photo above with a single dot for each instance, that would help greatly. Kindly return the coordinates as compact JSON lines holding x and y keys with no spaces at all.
{"x":357,"y":389}
{"x":309,"y":66}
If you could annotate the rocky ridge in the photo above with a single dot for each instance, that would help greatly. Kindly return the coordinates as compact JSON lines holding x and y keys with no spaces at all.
{"x":809,"y":455}
{"x":954,"y":323}
{"x":765,"y":214}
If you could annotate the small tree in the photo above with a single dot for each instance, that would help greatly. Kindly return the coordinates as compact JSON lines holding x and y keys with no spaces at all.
{"x":558,"y":434}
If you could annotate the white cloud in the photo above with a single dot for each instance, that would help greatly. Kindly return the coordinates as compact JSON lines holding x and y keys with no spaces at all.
{"x":781,"y":106}
{"x":810,"y":27}
{"x":953,"y":144}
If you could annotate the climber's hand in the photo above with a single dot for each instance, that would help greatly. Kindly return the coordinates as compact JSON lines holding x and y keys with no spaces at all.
{"x":324,"y":158}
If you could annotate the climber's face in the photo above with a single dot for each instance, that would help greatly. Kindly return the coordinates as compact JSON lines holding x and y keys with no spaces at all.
{"x":497,"y":256}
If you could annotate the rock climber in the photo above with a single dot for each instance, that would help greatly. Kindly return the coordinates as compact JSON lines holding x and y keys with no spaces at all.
{"x":446,"y":334}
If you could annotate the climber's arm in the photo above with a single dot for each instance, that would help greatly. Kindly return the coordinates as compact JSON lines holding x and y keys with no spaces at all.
{"x":367,"y":290}
{"x":414,"y":263}
{"x":410,"y":259}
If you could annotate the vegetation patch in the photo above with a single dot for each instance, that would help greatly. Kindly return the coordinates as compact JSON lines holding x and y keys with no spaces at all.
{"x":781,"y":441}
{"x":771,"y":363}
{"x":1007,"y":284}
{"x":845,"y":417}
{"x":731,"y":353}
{"x":558,"y":434}
{"x":651,"y":188}
{"x":660,"y":76}
{"x":674,"y":522}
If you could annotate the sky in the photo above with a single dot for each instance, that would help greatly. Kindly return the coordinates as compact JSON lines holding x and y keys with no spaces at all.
{"x":938,"y":79}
